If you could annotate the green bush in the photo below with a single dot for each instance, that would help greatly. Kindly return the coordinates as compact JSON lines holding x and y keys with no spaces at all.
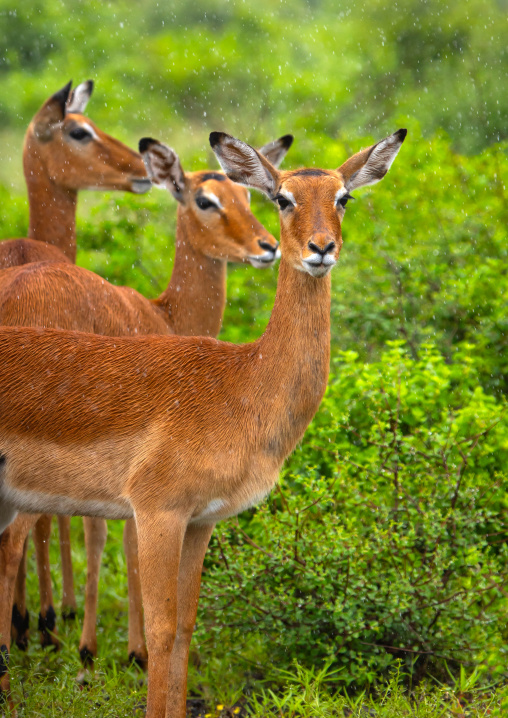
{"x":386,"y":537}
{"x":424,"y":258}
{"x":324,"y":66}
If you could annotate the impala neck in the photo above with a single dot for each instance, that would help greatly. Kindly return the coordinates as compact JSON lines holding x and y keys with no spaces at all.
{"x":193,"y":303}
{"x":292,"y":358}
{"x":52,"y":210}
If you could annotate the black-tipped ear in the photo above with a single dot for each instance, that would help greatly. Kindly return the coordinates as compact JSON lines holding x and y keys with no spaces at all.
{"x":62,"y":96}
{"x":370,"y":165}
{"x":215,"y":138}
{"x":163,"y":167}
{"x":243,"y":164}
{"x":276,"y":151}
{"x":51,"y":113}
{"x":78,"y":98}
{"x":145,"y":142}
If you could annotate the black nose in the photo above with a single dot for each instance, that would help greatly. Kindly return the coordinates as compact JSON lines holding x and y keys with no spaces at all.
{"x":329,"y":248}
{"x":267,"y":246}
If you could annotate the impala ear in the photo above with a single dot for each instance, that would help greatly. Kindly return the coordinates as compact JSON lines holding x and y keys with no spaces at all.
{"x":370,"y":165}
{"x":163,"y":166}
{"x":51,"y":113}
{"x":276,"y":151}
{"x":78,"y":98}
{"x":243,"y":164}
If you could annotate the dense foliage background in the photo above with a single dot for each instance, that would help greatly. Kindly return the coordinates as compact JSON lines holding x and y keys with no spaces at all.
{"x":386,"y":538}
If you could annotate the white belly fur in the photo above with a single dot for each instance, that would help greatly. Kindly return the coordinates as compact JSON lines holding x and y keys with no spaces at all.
{"x":219,"y":509}
{"x":38,"y":503}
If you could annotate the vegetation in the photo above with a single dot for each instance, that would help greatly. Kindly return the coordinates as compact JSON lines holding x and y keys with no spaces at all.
{"x":374,"y":578}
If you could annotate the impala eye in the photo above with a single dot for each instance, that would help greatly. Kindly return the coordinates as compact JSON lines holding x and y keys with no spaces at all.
{"x":79,"y":133}
{"x":283,"y":202}
{"x":343,"y":200}
{"x":204,"y":202}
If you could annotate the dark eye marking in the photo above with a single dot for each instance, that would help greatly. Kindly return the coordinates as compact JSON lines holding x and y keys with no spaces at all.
{"x":213,"y":175}
{"x":79,"y":133}
{"x":204,"y":203}
{"x":282,"y":201}
{"x":309,"y":172}
{"x":343,"y":200}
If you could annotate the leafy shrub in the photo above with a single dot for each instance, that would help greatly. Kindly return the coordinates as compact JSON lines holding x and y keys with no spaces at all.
{"x":326,"y":66}
{"x":386,"y":537}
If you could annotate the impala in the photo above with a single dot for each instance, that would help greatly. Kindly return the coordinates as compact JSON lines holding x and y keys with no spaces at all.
{"x":65,"y":152}
{"x":179,"y":432}
{"x":214,"y":225}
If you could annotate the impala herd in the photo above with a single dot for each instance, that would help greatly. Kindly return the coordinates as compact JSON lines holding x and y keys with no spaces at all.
{"x":117,"y":406}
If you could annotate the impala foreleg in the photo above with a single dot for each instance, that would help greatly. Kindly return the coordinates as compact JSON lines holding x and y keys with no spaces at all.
{"x":20,"y":616}
{"x":194,"y":548}
{"x":137,"y":645}
{"x":160,"y":538}
{"x":47,"y":616}
{"x":68,"y":595}
{"x":12,"y":541}
{"x":96,"y":531}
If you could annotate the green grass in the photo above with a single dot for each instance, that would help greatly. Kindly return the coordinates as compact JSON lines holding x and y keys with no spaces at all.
{"x":227,"y":682}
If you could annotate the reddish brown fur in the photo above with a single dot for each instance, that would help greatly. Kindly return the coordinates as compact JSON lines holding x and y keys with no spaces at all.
{"x":14,"y":252}
{"x":162,"y":426}
{"x":55,"y":168}
{"x":68,"y":297}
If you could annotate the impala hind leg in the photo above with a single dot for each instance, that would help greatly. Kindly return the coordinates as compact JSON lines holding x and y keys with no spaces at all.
{"x":137,"y":645}
{"x":47,"y":615}
{"x":160,"y":538}
{"x":20,"y":616}
{"x":12,"y":541}
{"x":194,"y":548}
{"x":96,"y":531}
{"x":68,"y":596}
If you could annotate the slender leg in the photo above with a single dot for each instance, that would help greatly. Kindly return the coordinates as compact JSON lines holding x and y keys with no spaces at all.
{"x":47,"y":616}
{"x":137,"y":645}
{"x":160,"y":538}
{"x":189,"y":581}
{"x":11,"y":551}
{"x":68,"y":595}
{"x":96,"y":531}
{"x":20,"y":616}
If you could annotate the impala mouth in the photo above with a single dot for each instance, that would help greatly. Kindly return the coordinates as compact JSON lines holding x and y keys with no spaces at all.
{"x":141,"y":185}
{"x":264,"y":260}
{"x":317,"y":265}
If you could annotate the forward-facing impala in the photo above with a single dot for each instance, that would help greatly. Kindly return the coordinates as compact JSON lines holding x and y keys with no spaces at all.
{"x":179,"y":432}
{"x":214,"y":225}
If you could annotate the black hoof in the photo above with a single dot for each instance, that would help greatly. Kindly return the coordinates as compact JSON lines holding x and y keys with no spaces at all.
{"x":68,"y":614}
{"x":4,"y":660}
{"x":87,"y":657}
{"x":46,"y":627}
{"x":21,"y":625}
{"x":140,"y":661}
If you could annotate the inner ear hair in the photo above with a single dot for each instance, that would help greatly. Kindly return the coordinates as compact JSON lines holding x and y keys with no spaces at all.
{"x":78,"y":97}
{"x":370,"y":165}
{"x":244,"y":164}
{"x":276,"y":150}
{"x":163,"y":166}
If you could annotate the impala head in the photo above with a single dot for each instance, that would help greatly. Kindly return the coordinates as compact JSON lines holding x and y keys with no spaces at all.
{"x":312,"y":202}
{"x":222,"y":224}
{"x":74,"y":153}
